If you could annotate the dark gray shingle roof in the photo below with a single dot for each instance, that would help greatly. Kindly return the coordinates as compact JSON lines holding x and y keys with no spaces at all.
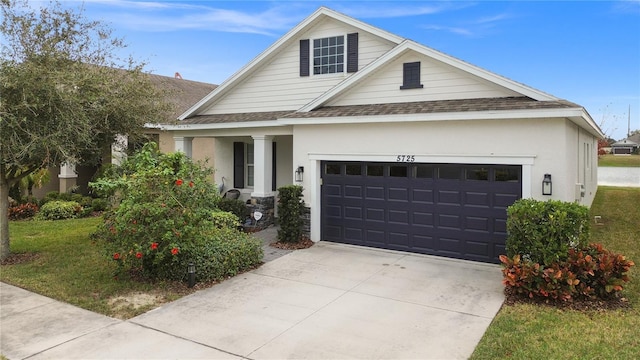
{"x":419,"y":107}
{"x":182,"y":93}
{"x":440,"y":106}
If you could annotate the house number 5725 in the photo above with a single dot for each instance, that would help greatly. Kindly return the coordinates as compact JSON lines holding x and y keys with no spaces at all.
{"x":406,"y":158}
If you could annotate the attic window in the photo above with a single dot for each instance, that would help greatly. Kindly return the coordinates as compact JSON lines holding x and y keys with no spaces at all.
{"x":411,"y":76}
{"x":328,"y":55}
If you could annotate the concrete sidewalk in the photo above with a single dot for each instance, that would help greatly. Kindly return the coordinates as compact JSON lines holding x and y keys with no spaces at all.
{"x":329,"y":301}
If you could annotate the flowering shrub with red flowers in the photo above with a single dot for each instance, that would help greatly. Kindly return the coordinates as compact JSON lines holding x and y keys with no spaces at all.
{"x":167,"y":218}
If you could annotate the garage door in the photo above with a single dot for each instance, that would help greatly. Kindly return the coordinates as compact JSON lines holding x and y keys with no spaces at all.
{"x":456,"y":211}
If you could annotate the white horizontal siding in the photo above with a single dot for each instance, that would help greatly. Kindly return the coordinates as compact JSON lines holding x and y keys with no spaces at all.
{"x":276,"y":85}
{"x":440,"y":81}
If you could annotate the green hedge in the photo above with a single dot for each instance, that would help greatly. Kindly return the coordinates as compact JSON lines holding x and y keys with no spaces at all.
{"x":290,"y":211}
{"x":58,"y":210}
{"x":544,"y":231}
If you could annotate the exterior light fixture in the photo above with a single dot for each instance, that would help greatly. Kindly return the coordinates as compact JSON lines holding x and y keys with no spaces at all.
{"x":191,"y":270}
{"x":299,"y":173}
{"x":546,"y":185}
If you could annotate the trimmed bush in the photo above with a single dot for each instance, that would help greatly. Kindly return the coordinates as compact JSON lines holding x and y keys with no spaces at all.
{"x":23,"y":211}
{"x":225,"y":220}
{"x":58,"y":210}
{"x":290,"y":211}
{"x":50,"y":196}
{"x":99,"y":204}
{"x":234,"y":206}
{"x":226,"y":253}
{"x":589,"y":273}
{"x":544,"y":231}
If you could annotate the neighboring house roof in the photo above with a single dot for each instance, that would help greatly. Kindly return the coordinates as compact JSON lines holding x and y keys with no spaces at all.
{"x":635,"y":138}
{"x":183,"y":93}
{"x":625,"y":143}
{"x":517,"y":101}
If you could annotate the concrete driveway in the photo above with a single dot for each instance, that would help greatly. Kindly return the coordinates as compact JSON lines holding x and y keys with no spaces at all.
{"x":329,"y":301}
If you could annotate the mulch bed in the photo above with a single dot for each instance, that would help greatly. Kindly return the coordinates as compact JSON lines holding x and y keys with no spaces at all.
{"x":20,"y":258}
{"x":302,"y":244}
{"x":598,"y":305}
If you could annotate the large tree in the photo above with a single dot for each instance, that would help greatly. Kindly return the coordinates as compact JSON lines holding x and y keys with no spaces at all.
{"x":65,"y":93}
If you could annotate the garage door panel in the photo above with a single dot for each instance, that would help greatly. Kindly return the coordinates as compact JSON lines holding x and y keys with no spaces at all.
{"x":499,"y":248}
{"x":423,"y":243}
{"x":475,"y":223}
{"x":353,"y":191}
{"x":451,"y":246}
{"x":375,"y":192}
{"x":422,"y":196}
{"x":448,"y":197}
{"x":332,"y":233}
{"x":399,"y":240}
{"x":500,"y":226}
{"x":334,"y":211}
{"x":423,"y":209}
{"x":375,"y":237}
{"x":478,"y":249}
{"x":375,"y":215}
{"x":399,"y":194}
{"x":477,"y":198}
{"x":503,"y":201}
{"x":423,"y":219}
{"x":354,"y":235}
{"x":450,"y":221}
{"x":353,"y":213}
{"x":399,"y":217}
{"x":333,"y":190}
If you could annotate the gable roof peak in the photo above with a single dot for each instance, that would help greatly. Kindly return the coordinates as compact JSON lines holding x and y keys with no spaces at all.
{"x":318,"y":15}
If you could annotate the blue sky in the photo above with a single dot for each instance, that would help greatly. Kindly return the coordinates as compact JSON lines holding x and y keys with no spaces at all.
{"x":587,"y":52}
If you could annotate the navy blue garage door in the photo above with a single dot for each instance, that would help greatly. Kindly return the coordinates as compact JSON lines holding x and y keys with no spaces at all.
{"x":449,"y":210}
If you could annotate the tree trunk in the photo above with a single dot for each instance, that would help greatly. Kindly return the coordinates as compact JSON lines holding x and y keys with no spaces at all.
{"x":4,"y":215}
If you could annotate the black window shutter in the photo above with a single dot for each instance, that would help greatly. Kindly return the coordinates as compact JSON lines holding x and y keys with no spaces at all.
{"x":411,"y":76}
{"x":238,"y":165}
{"x":352,"y":52}
{"x":273,"y":166}
{"x":304,"y":57}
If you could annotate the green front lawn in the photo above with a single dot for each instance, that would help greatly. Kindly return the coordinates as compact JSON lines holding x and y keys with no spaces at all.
{"x":619,"y":160}
{"x":61,"y":262}
{"x":525,"y":331}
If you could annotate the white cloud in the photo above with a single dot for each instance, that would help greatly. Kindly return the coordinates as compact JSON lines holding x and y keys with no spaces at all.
{"x":627,"y":7}
{"x":451,"y":29}
{"x":391,"y":10}
{"x":472,"y":28}
{"x":172,"y":16}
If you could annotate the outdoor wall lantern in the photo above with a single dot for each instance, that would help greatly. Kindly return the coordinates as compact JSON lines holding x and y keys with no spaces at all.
{"x":299,"y":173}
{"x":191,"y":269}
{"x":546,"y":185}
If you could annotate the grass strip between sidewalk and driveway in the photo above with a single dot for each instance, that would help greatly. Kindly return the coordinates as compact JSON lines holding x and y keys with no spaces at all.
{"x":529,"y":331}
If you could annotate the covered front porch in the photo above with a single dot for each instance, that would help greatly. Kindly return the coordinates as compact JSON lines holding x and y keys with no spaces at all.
{"x":253,"y":164}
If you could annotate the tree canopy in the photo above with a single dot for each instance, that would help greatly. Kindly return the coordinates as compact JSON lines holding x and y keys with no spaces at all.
{"x":65,"y":93}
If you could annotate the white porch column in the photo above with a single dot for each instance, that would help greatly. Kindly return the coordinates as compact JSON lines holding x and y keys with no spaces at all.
{"x":263,"y":167}
{"x":119,"y":149}
{"x":183,"y":144}
{"x":67,"y":177}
